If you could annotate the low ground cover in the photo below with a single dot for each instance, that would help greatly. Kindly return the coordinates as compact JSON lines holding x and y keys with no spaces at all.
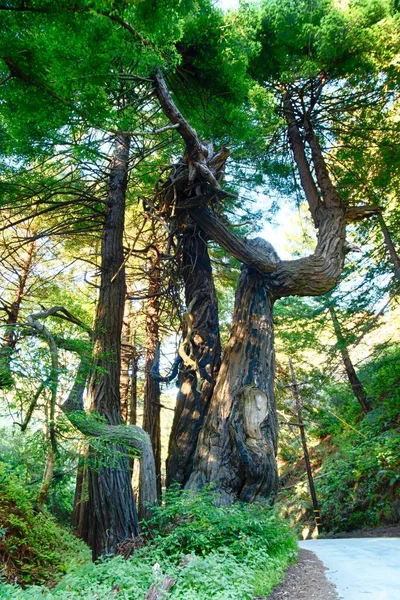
{"x":220,"y":552}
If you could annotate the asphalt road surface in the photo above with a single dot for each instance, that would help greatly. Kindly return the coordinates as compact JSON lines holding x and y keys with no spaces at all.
{"x":361,"y":568}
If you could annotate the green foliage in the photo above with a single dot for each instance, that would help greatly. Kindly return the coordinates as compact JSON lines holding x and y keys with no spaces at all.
{"x":194,"y":523}
{"x":33,"y":548}
{"x":23,"y":457}
{"x":358,"y":460}
{"x":227,"y":553}
{"x":359,"y":485}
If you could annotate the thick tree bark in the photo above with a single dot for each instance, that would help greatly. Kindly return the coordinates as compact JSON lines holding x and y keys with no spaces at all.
{"x":152,"y":392}
{"x":312,"y":275}
{"x":109,"y":470}
{"x":356,"y":385}
{"x":112,"y":512}
{"x":237,"y":445}
{"x":201,"y":345}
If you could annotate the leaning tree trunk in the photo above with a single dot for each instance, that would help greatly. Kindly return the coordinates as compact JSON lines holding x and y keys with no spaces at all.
{"x":202,"y":346}
{"x":394,"y":257}
{"x":355,"y":383}
{"x":152,"y":391}
{"x":112,"y":512}
{"x":237,"y":445}
{"x":9,"y":341}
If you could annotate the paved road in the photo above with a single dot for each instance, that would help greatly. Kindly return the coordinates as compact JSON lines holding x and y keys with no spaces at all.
{"x":361,"y":568}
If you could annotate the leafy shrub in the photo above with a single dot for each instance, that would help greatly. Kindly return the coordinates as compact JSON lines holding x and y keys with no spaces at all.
{"x":194,"y":523}
{"x":230,"y":553}
{"x":33,"y":548}
{"x":24,"y":456}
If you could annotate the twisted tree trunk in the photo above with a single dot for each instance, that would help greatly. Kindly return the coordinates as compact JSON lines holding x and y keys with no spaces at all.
{"x":202,"y":346}
{"x":237,"y":445}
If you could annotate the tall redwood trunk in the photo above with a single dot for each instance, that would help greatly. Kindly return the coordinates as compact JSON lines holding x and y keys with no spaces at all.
{"x":152,"y":392}
{"x":202,"y":344}
{"x":112,"y":512}
{"x":237,"y":445}
{"x":356,"y":385}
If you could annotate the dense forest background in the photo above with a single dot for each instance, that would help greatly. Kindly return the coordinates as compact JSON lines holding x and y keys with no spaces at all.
{"x":199,"y":247}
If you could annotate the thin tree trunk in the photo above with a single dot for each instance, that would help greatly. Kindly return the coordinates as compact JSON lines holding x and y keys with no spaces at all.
{"x":51,"y":451}
{"x":10,"y":339}
{"x":297,"y":400}
{"x":80,"y":513}
{"x":237,"y":445}
{"x":390,"y":246}
{"x":126,"y":359}
{"x":203,"y":346}
{"x":133,"y":390}
{"x":152,"y":392}
{"x":352,"y":376}
{"x":112,"y":512}
{"x":51,"y":454}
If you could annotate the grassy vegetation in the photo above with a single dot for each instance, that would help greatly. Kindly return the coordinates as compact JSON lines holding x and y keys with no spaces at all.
{"x":33,"y":548}
{"x":224,"y":553}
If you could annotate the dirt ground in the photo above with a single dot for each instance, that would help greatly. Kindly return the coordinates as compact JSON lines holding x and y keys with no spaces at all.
{"x":305,"y":581}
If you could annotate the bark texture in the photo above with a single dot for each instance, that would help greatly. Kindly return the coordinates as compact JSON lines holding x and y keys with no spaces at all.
{"x":237,"y":445}
{"x":112,"y":512}
{"x":202,"y":346}
{"x":80,"y":513}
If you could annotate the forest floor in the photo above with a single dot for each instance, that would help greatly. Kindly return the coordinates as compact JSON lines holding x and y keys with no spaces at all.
{"x":305,"y":580}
